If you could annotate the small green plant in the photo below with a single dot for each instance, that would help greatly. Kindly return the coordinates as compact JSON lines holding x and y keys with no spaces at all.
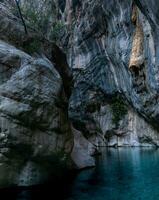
{"x":32,"y":17}
{"x":32,"y":46}
{"x":57,"y":30}
{"x":118,"y":109}
{"x":42,"y":21}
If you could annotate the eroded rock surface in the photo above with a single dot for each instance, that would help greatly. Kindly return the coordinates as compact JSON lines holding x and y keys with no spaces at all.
{"x":36,"y":135}
{"x":112,"y":98}
{"x":106,"y":40}
{"x":34,"y":127}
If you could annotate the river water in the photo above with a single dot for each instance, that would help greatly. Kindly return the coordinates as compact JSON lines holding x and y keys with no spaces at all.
{"x":120,"y":174}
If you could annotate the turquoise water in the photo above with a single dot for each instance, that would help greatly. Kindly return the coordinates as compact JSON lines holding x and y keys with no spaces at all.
{"x":121,"y":174}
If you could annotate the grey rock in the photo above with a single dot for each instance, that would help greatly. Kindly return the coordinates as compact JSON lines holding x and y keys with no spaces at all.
{"x":98,"y":41}
{"x":99,"y":51}
{"x":34,"y":131}
{"x":82,"y":151}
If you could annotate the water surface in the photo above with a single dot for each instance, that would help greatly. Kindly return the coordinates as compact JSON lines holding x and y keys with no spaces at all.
{"x":121,"y":174}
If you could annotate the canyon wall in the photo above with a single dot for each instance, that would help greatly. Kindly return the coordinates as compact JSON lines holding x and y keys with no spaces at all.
{"x":97,"y":86}
{"x":113,"y":53}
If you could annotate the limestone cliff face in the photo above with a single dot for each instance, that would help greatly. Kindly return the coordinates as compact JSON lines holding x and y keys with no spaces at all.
{"x":113,"y":50}
{"x":33,"y":127}
{"x":36,"y":137}
{"x":60,"y":107}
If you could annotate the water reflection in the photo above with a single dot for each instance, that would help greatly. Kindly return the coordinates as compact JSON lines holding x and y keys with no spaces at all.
{"x":121,"y":174}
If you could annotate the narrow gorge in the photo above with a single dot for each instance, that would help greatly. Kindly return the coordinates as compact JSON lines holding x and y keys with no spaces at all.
{"x":75,"y":77}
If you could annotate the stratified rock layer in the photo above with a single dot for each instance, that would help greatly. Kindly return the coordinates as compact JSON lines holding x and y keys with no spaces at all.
{"x":49,"y":119}
{"x":109,"y":37}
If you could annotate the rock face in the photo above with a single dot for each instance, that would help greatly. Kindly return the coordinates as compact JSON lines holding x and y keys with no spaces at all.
{"x":36,"y":136}
{"x":33,"y":125}
{"x":113,"y":50}
{"x":48,"y":120}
